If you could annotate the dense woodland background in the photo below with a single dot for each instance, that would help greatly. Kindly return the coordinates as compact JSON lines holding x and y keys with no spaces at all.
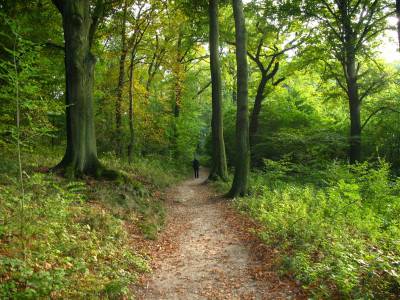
{"x":304,"y":99}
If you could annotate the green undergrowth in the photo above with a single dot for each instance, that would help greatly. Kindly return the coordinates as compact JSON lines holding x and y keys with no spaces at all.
{"x":337,"y":228}
{"x":138,"y":197}
{"x":66,"y":239}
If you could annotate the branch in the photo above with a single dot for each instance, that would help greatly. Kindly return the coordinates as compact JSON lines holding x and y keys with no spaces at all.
{"x":370,"y":35}
{"x":155,"y":63}
{"x":329,"y":8}
{"x":98,"y":13}
{"x":271,"y":62}
{"x":190,"y":47}
{"x":278,"y":81}
{"x":376,"y":112}
{"x":195,"y":58}
{"x":274,"y":71}
{"x":138,"y":37}
{"x":260,"y":44}
{"x":355,"y":7}
{"x":342,"y":86}
{"x":338,"y":81}
{"x":202,"y":90}
{"x":330,"y":25}
{"x":50,"y":44}
{"x":373,"y":87}
{"x":257,"y":60}
{"x":369,"y":26}
{"x":293,"y":46}
{"x":362,"y":14}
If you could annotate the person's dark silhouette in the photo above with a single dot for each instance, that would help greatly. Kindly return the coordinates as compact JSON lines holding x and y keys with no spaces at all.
{"x":196,"y":167}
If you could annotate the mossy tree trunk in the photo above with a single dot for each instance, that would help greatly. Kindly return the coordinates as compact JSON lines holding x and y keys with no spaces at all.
{"x":219,"y":168}
{"x":242,"y":159}
{"x":79,"y":25}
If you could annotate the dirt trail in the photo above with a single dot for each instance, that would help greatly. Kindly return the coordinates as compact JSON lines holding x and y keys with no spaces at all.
{"x":202,"y":253}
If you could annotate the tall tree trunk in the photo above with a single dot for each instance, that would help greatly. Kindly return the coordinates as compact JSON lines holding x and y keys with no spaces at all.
{"x":81,"y":154}
{"x":257,"y":109}
{"x":120,"y":87}
{"x":242,"y":160}
{"x":178,"y":88}
{"x":152,"y":69}
{"x":178,"y":77}
{"x":219,"y":168}
{"x":131,"y":111}
{"x":350,"y":70}
{"x":355,"y":107}
{"x":398,"y":20}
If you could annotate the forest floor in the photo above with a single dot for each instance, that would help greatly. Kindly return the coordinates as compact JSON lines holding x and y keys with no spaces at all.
{"x":207,"y":251}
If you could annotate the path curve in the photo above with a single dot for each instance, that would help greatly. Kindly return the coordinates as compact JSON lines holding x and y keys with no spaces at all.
{"x":202,"y":255}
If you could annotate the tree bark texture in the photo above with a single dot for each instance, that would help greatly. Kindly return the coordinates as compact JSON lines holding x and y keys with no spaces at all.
{"x":242,"y":159}
{"x":219,"y":168}
{"x":355,"y":116}
{"x":350,"y":70}
{"x":81,"y":153}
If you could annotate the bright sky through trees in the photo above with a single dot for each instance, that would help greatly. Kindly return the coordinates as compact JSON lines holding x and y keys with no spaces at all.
{"x":389,"y":48}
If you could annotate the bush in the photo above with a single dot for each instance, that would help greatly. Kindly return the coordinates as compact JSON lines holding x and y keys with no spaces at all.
{"x":157,"y":171}
{"x":57,"y":245}
{"x":339,"y":234}
{"x":68,"y":239}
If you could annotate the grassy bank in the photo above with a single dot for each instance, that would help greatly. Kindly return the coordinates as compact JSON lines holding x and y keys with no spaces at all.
{"x":337,"y":228}
{"x":67,"y":239}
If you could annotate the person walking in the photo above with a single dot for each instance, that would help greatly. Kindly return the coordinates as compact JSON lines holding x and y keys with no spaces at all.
{"x":196,"y":167}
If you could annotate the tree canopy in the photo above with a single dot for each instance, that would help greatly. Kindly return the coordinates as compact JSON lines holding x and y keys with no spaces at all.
{"x":291,"y":106}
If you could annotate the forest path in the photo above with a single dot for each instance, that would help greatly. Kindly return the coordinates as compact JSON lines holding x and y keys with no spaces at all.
{"x":205,"y":252}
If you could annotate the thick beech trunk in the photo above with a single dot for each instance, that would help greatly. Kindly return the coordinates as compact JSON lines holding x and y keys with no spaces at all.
{"x":242,"y":159}
{"x":81,"y":154}
{"x":219,"y":168}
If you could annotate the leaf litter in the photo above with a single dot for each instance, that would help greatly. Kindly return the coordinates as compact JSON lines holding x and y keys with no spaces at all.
{"x":209,"y":251}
